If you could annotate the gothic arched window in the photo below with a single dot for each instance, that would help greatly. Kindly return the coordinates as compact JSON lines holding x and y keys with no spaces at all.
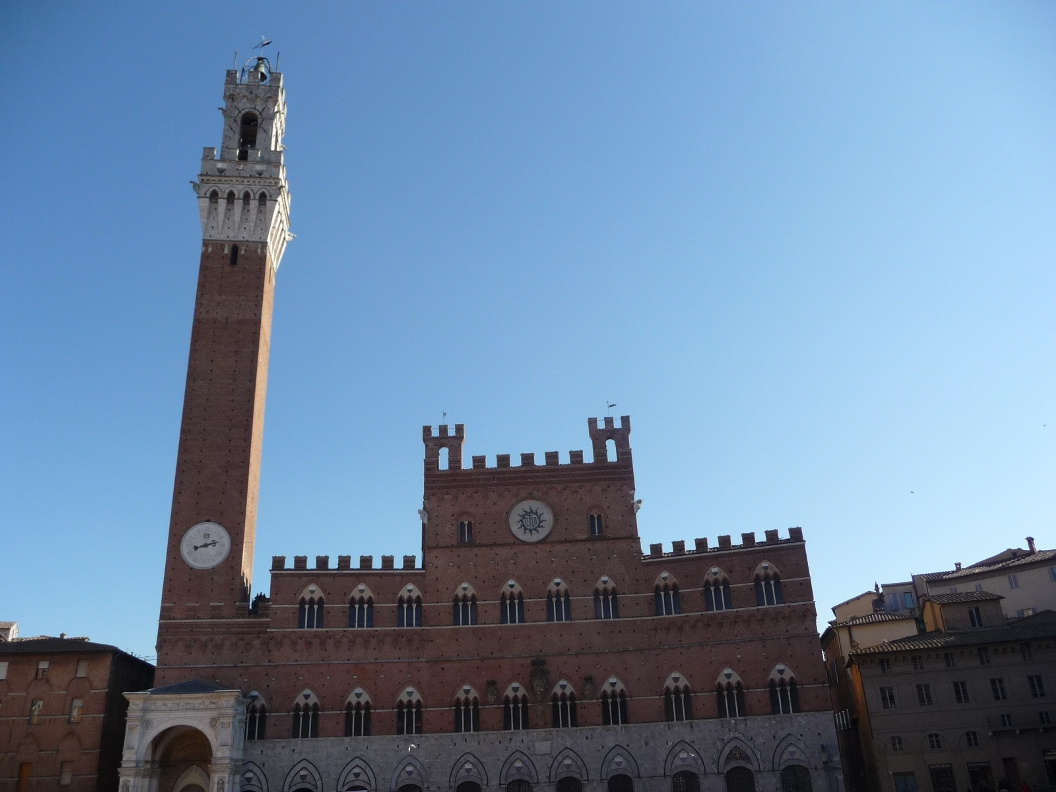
{"x":613,"y":704}
{"x":558,"y":603}
{"x":515,"y":709}
{"x":606,"y":605}
{"x":247,"y":135}
{"x":306,"y":716}
{"x":409,"y":713}
{"x":768,"y":585}
{"x":256,"y":720}
{"x":361,"y":611}
{"x":310,"y":613}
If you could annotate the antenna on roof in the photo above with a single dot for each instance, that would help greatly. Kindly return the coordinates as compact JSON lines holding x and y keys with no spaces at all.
{"x":610,"y":405}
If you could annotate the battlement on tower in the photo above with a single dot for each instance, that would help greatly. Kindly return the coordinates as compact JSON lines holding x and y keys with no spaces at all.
{"x":452,"y":443}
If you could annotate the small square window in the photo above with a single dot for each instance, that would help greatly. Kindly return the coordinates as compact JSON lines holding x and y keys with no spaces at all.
{"x":66,"y":774}
{"x":1013,"y":582}
{"x":597,"y":527}
{"x":1006,"y":720}
{"x":971,"y":739}
{"x":76,"y":707}
{"x":951,"y":660}
{"x":42,"y":669}
{"x":975,"y":616}
{"x":978,"y":586}
{"x":897,"y":744}
{"x":953,"y":590}
{"x":924,"y":695}
{"x":918,"y":663}
{"x":3,"y":669}
{"x":82,"y":669}
{"x":907,"y":600}
{"x":934,"y":741}
{"x":960,"y":692}
{"x":885,"y":666}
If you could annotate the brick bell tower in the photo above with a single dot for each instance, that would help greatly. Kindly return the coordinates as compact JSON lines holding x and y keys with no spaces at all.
{"x":244,"y":205}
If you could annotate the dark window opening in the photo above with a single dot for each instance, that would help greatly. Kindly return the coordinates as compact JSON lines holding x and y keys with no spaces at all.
{"x":511,"y":608}
{"x":613,"y":708}
{"x":256,"y":721}
{"x":795,"y":778}
{"x":409,"y":612}
{"x":409,"y":717}
{"x":357,"y":719}
{"x":717,"y":596}
{"x":310,"y":613}
{"x":597,"y":527}
{"x":465,"y":611}
{"x":515,"y":713}
{"x":558,"y":607}
{"x":247,"y":135}
{"x":678,"y":705}
{"x":305,"y":720}
{"x":361,"y":612}
{"x":234,"y":255}
{"x":621,"y":783}
{"x":731,"y":700}
{"x":564,"y":710}
{"x":467,"y":716}
{"x":685,"y":781}
{"x":465,"y":532}
{"x":668,"y":601}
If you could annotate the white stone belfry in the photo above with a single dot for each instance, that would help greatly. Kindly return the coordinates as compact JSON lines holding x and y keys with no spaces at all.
{"x":242,"y":193}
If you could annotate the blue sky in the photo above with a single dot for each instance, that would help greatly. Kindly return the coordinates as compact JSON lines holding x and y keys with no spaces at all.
{"x":808,"y":247}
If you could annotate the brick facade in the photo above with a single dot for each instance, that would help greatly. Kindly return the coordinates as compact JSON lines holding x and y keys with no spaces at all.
{"x":642,"y":628}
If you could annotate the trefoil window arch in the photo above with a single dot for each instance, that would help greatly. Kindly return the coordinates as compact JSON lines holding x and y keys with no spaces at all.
{"x":515,"y":708}
{"x":717,"y":596}
{"x":606,"y":604}
{"x":409,"y":608}
{"x":467,"y":710}
{"x":563,"y":706}
{"x":511,"y":604}
{"x":357,"y":714}
{"x":768,"y":585}
{"x":729,"y":693}
{"x":306,"y":716}
{"x":558,"y":603}
{"x":678,"y":703}
{"x":613,"y":703}
{"x":409,"y":712}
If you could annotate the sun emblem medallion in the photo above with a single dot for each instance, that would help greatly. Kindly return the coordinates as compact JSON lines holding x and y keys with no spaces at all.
{"x":531,"y":520}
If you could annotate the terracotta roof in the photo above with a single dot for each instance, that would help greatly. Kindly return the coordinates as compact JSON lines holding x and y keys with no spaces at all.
{"x":962,"y":596}
{"x":983,"y":567}
{"x":1040,"y":625}
{"x":42,"y":644}
{"x":873,"y":618}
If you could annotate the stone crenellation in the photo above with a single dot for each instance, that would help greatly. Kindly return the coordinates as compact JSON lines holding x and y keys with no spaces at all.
{"x":452,"y":442}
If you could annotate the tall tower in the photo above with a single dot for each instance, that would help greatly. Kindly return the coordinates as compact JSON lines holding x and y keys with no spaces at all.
{"x":244,"y":204}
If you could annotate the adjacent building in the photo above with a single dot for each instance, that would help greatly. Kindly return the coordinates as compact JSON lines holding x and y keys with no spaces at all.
{"x":62,"y":711}
{"x":533,"y":647}
{"x":952,"y":694}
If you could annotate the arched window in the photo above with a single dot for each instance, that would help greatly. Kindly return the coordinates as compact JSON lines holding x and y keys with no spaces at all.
{"x":511,"y":604}
{"x":409,"y":608}
{"x":613,"y":703}
{"x":234,"y":253}
{"x":730,"y":695}
{"x":214,"y":197}
{"x":247,"y":135}
{"x":515,"y":709}
{"x":685,"y":781}
{"x":668,"y":600}
{"x":467,"y":711}
{"x":564,"y":706}
{"x":357,"y":719}
{"x":230,"y":198}
{"x":678,"y":704}
{"x":468,"y":786}
{"x":465,"y":532}
{"x":519,"y":785}
{"x":262,"y":200}
{"x":621,"y":783}
{"x":597,"y":526}
{"x":310,"y":613}
{"x":465,"y":607}
{"x":409,"y":713}
{"x":361,"y":611}
{"x":306,"y":716}
{"x":784,"y":695}
{"x":569,"y":784}
{"x":611,"y":455}
{"x":246,"y":198}
{"x":717,"y":591}
{"x":768,"y":585}
{"x":795,"y":778}
{"x":256,"y":720}
{"x":740,"y":779}
{"x":558,"y":603}
{"x":606,"y":605}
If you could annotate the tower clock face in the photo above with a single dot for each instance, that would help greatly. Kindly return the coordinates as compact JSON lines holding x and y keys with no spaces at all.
{"x":531,"y":521}
{"x":205,"y":545}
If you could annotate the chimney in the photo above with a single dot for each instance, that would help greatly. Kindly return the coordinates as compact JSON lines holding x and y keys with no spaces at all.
{"x":1030,"y":544}
{"x":957,"y":566}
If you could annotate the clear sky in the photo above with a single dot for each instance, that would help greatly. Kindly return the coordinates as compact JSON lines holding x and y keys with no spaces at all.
{"x":808,"y":247}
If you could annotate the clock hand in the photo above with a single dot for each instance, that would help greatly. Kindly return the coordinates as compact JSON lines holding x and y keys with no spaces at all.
{"x":207,"y":544}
